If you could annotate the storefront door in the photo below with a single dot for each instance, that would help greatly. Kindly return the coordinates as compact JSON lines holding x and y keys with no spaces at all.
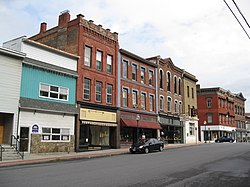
{"x":24,"y":138}
{"x":1,"y":134}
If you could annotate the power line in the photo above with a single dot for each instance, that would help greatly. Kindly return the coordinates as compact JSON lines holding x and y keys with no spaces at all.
{"x":241,"y":13}
{"x":237,"y":19}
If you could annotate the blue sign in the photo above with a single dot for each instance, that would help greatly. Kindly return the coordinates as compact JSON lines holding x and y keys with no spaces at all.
{"x":35,"y":128}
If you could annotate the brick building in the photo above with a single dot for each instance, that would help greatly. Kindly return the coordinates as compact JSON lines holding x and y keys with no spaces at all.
{"x":216,"y":113}
{"x":96,"y":124}
{"x":170,"y":91}
{"x":138,"y":97}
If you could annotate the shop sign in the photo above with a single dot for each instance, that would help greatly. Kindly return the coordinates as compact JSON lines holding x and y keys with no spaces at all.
{"x":35,"y":128}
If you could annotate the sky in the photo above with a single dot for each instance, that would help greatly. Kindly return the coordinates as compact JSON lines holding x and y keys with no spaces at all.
{"x":200,"y":36}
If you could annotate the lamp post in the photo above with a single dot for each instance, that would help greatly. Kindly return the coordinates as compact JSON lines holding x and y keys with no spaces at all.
{"x":137,"y":122}
{"x":205,"y":137}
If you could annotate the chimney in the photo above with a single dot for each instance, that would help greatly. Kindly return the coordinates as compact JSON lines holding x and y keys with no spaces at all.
{"x":64,"y":18}
{"x":43,"y":27}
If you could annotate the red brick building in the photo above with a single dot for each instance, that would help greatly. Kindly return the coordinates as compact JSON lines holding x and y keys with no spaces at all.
{"x":97,"y":48}
{"x":170,"y":91}
{"x":216,"y":113}
{"x":138,"y":98}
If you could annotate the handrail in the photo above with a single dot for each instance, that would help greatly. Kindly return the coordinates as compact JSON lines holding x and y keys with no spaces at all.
{"x":1,"y":152}
{"x":17,"y":146}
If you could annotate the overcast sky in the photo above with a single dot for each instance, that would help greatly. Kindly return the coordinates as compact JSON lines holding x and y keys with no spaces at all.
{"x":200,"y":36}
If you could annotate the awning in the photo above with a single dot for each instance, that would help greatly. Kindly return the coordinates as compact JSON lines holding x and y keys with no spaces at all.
{"x":99,"y":123}
{"x":126,"y":122}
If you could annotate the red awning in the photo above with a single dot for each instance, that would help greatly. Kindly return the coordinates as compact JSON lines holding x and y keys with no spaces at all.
{"x":125,"y":122}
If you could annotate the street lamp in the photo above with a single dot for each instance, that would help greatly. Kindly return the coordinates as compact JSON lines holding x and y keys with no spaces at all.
{"x":205,"y":123}
{"x":137,"y":122}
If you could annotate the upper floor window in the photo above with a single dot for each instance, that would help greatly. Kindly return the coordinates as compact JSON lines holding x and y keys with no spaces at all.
{"x":109,"y":93}
{"x":209,"y":118}
{"x":175,"y":84}
{"x":54,"y":92}
{"x":168,"y":81}
{"x":98,"y":91}
{"x":134,"y":98}
{"x":86,"y":91}
{"x":209,"y":102}
{"x":176,"y":106}
{"x":151,"y":103}
{"x":161,"y":102}
{"x":125,"y":97}
{"x":143,"y":74}
{"x":169,"y":104}
{"x":125,"y":68}
{"x":179,"y":86}
{"x":192,"y":92}
{"x":187,"y":91}
{"x":134,"y":72}
{"x":99,"y":60}
{"x":87,"y":56}
{"x":150,"y":77}
{"x":161,"y":79}
{"x":109,"y":64}
{"x":143,"y":101}
{"x":180,"y":107}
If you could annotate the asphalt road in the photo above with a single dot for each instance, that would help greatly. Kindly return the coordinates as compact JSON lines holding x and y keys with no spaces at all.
{"x":207,"y":165}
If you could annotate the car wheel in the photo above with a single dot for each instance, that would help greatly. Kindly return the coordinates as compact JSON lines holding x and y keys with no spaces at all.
{"x":146,"y":150}
{"x":231,"y":141}
{"x":161,"y":148}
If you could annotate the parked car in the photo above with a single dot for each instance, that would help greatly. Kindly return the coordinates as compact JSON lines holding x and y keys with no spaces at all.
{"x":224,"y":139}
{"x":147,"y":146}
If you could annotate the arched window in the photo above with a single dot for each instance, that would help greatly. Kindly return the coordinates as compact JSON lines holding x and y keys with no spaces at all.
{"x":179,"y":86}
{"x":175,"y":84}
{"x":168,"y":81}
{"x":169,"y":104}
{"x":161,"y":102}
{"x":161,"y":80}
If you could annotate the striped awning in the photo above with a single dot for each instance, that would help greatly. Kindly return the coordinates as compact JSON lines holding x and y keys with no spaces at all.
{"x":99,"y":123}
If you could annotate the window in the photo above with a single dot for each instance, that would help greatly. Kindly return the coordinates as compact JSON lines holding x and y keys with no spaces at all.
{"x":180,"y":107}
{"x":134,"y":98}
{"x":54,"y":92}
{"x":179,"y":86}
{"x":168,"y":81}
{"x":87,"y":56}
{"x":169,"y":104}
{"x":134,"y":72}
{"x":175,"y":84}
{"x":86,"y":92}
{"x":98,"y":91}
{"x":125,"y":68}
{"x":209,"y":102}
{"x":150,"y":77}
{"x":143,"y":101}
{"x":99,"y":60}
{"x":189,"y":110}
{"x":161,"y":103}
{"x":161,"y":79}
{"x":109,"y":93}
{"x":55,"y":134}
{"x":125,"y":97}
{"x":192,"y":93}
{"x":209,"y":118}
{"x":151,"y":103}
{"x":109,"y":64}
{"x":191,"y":129}
{"x":143,"y":75}
{"x":176,"y":106}
{"x":187,"y":91}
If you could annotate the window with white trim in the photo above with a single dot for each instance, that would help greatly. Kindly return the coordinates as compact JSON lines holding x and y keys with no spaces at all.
{"x":143,"y":70}
{"x":168,"y":81}
{"x":87,"y":56}
{"x":125,"y":97}
{"x":109,"y":93}
{"x":134,"y":72}
{"x":134,"y":98}
{"x":109,"y":64}
{"x":99,"y":60}
{"x":86,"y":91}
{"x":143,"y":101}
{"x":176,"y":106}
{"x":54,"y":92}
{"x":169,"y":104}
{"x":161,"y":102}
{"x":191,"y":129}
{"x":150,"y":77}
{"x":98,"y":91}
{"x":125,"y":68}
{"x":55,"y":134}
{"x":151,"y":103}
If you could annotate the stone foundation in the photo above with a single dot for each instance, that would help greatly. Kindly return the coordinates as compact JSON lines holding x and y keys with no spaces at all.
{"x":37,"y":146}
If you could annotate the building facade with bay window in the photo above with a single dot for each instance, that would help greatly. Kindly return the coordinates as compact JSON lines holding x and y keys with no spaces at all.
{"x":97,"y":77}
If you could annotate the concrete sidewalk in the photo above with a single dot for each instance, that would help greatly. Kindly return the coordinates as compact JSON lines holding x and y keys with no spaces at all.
{"x":62,"y":156}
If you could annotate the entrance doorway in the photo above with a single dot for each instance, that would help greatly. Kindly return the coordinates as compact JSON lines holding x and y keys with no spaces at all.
{"x":1,"y":134}
{"x":24,"y":139}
